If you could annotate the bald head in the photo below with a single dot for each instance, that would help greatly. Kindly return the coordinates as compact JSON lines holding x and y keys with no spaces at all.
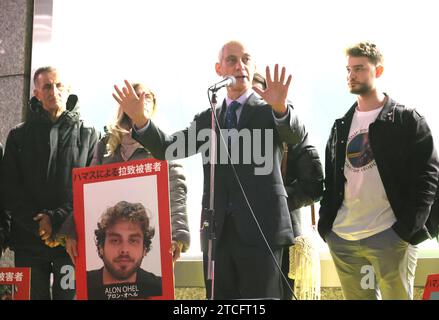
{"x":229,"y":43}
{"x":234,"y":59}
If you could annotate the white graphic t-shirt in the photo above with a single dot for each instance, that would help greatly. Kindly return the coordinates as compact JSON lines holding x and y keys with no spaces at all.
{"x":365,"y":210}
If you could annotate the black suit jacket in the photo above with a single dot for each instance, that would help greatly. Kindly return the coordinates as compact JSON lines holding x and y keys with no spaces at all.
{"x":265,"y":193}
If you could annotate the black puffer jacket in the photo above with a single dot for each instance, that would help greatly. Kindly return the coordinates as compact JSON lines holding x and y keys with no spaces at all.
{"x":303,"y":180}
{"x":407,"y":162}
{"x":37,"y":169}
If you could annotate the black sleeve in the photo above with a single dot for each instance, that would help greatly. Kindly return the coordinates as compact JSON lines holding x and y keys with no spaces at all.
{"x":304,"y":177}
{"x":176,"y":146}
{"x":12,"y":185}
{"x":328,"y":191}
{"x":177,"y":197}
{"x":62,"y":217}
{"x":423,"y":176}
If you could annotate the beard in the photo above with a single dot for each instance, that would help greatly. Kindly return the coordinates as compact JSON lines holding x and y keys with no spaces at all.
{"x":123,"y":272}
{"x":360,"y":89}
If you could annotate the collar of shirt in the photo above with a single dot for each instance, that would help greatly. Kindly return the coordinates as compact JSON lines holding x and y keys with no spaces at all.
{"x":242,"y":99}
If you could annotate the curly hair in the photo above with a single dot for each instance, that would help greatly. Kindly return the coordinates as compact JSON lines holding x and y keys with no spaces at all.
{"x":366,"y":49}
{"x":132,"y":212}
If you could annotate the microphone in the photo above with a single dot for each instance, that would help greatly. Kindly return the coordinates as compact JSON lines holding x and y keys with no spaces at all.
{"x":227,"y":81}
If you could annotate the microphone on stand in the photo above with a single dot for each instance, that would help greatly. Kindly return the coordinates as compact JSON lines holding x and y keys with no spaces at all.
{"x":227,"y":81}
{"x":209,"y":224}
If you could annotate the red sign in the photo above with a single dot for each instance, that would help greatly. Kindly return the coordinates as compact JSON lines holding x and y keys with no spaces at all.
{"x":107,"y":257}
{"x":431,"y":291}
{"x":14,"y":283}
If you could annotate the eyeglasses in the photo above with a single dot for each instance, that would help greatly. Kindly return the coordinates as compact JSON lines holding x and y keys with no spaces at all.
{"x":149,"y":98}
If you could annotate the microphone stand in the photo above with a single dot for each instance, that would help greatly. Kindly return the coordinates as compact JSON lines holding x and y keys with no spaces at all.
{"x":210,"y":212}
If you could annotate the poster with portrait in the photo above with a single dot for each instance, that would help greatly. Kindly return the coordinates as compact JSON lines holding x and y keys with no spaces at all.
{"x":122,"y":220}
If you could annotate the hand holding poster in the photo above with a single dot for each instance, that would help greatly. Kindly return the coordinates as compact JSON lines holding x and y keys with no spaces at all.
{"x":123,"y":227}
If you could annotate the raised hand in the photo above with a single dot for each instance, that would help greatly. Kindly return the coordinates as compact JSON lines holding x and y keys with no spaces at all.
{"x":277,"y":90}
{"x":131,"y":104}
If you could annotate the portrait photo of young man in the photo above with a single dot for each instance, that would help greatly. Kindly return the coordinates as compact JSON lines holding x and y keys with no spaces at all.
{"x":123,"y":239}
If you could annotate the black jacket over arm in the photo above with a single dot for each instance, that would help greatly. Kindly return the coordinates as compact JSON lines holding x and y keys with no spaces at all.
{"x":303,"y":180}
{"x":304,"y":176}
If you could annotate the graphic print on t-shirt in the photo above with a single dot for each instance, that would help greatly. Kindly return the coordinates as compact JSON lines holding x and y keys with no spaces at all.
{"x":359,"y":153}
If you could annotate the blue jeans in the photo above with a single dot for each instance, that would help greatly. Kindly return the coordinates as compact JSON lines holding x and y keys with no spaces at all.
{"x":378,"y":267}
{"x":42,"y":266}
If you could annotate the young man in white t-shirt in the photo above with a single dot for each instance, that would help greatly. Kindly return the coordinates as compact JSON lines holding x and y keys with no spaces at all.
{"x":381,"y":178}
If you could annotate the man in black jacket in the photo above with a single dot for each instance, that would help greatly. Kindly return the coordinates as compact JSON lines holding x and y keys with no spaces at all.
{"x":37,"y":168}
{"x":244,"y":265}
{"x":381,"y":179}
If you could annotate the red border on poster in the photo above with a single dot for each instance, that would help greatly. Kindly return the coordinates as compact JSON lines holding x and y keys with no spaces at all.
{"x":117,"y":171}
{"x":18,"y":277}
{"x":432,"y":285}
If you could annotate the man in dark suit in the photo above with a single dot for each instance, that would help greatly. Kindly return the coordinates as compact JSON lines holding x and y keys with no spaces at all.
{"x":245,"y":267}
